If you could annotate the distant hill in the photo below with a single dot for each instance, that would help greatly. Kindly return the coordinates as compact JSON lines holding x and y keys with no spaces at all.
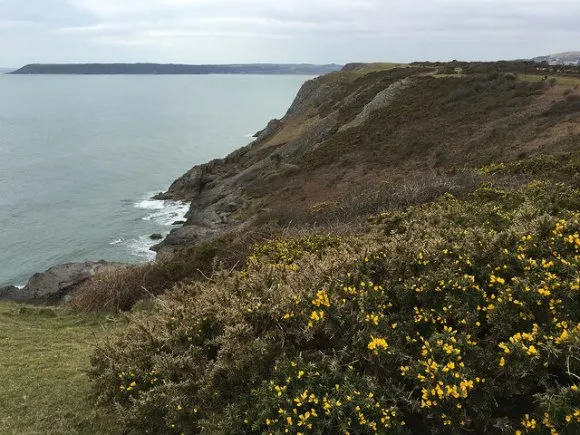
{"x":153,"y":68}
{"x":566,"y":58}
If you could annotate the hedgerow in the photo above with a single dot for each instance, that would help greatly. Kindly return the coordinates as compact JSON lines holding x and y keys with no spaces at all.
{"x":461,"y":315}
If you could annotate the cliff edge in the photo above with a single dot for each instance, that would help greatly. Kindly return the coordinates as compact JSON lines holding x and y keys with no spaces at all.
{"x":374,"y":123}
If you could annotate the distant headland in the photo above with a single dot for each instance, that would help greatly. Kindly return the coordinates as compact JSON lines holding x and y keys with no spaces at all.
{"x":174,"y":69}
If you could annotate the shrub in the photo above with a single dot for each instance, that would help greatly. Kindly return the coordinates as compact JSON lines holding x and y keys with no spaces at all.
{"x":567,"y":106}
{"x":563,"y":167}
{"x":461,"y":315}
{"x":121,"y":289}
{"x":357,"y":205}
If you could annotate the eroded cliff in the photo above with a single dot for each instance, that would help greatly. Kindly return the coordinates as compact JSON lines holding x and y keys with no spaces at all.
{"x":370,"y":124}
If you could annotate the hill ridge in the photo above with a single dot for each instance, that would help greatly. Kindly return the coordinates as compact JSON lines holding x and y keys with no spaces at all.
{"x":159,"y":68}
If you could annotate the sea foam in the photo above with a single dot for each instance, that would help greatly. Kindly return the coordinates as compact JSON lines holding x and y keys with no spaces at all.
{"x":160,"y":213}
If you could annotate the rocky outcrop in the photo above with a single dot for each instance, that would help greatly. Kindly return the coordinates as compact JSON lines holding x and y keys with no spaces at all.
{"x":52,"y":286}
{"x":313,"y":94}
{"x":271,"y":129}
{"x":11,"y":293}
{"x":381,"y":101}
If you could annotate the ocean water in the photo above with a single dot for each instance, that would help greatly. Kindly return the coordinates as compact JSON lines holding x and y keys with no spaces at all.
{"x":80,"y":156}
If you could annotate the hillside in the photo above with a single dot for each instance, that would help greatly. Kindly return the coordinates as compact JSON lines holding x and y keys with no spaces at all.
{"x":154,"y":69}
{"x":368,"y":125}
{"x":398,"y":254}
{"x":566,"y":58}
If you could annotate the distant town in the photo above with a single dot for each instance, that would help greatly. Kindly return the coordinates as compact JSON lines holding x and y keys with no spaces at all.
{"x":571,"y":58}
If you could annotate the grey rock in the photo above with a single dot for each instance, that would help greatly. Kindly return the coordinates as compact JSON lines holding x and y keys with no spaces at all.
{"x":178,"y":223}
{"x":11,"y":293}
{"x":52,"y":286}
{"x":271,"y":129}
{"x":186,"y":235}
{"x":382,"y":100}
{"x":312,"y":94}
{"x":156,"y":236}
{"x":231,"y":207}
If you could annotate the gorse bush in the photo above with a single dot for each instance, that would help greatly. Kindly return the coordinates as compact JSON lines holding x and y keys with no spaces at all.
{"x":561,"y":167}
{"x":457,"y":316}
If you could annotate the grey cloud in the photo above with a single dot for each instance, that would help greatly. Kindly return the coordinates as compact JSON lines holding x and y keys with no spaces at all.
{"x":283,"y":30}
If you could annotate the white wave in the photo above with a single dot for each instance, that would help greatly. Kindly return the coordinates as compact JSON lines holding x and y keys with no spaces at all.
{"x":140,"y":248}
{"x":150,"y":204}
{"x":159,"y":212}
{"x":164,"y":212}
{"x":20,"y":287}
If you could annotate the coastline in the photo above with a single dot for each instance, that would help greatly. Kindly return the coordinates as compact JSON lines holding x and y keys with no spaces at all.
{"x":119,"y":153}
{"x":53,"y":285}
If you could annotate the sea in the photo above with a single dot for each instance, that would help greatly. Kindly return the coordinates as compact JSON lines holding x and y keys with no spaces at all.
{"x":81,"y":156}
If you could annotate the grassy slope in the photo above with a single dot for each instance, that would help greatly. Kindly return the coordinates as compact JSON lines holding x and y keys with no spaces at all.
{"x":43,"y":358}
{"x":566,"y":81}
{"x":432,"y":127}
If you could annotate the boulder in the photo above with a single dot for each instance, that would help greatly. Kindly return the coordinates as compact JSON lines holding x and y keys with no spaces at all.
{"x":178,"y":223}
{"x":156,"y":236}
{"x":52,"y":286}
{"x":11,"y":293}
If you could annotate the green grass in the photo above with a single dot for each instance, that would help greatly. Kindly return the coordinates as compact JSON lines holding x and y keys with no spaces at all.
{"x":379,"y":66}
{"x":561,"y":80}
{"x":361,"y":70}
{"x":44,"y":354}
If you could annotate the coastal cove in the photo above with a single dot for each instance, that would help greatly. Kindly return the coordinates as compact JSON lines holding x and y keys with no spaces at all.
{"x":81,"y":156}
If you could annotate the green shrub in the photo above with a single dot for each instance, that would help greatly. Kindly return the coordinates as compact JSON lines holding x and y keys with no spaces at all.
{"x":562,"y":166}
{"x":461,"y":315}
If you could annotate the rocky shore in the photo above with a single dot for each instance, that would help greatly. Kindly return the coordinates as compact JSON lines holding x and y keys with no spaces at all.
{"x":56,"y":284}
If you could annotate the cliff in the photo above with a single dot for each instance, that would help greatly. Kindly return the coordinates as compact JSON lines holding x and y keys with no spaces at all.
{"x":371,"y":124}
{"x":172,"y":69}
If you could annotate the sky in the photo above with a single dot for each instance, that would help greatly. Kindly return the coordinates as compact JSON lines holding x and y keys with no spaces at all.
{"x":283,"y":31}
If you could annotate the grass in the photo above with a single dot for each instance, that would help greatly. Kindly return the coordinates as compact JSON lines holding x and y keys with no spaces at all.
{"x":43,"y":357}
{"x":378,"y":66}
{"x":561,"y":80}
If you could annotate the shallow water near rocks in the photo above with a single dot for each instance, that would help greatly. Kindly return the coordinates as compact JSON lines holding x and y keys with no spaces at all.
{"x":80,"y":157}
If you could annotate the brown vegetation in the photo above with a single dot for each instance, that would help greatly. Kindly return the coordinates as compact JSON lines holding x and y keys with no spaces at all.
{"x":121,"y":289}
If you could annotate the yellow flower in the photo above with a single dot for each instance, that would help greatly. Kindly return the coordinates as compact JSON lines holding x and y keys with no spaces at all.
{"x":377,"y":343}
{"x":532,"y":350}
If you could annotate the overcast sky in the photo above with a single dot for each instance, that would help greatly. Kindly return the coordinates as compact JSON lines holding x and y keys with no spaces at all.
{"x":283,"y":31}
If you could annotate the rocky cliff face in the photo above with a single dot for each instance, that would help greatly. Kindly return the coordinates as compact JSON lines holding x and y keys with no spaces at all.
{"x":362,"y":126}
{"x":54,"y":285}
